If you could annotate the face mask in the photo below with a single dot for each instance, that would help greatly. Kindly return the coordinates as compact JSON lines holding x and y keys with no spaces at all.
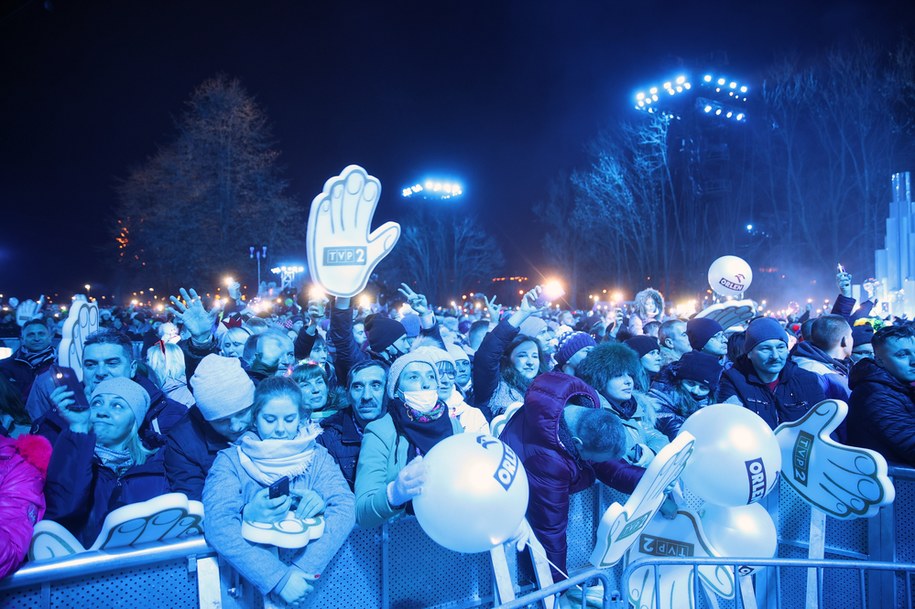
{"x":421,"y":401}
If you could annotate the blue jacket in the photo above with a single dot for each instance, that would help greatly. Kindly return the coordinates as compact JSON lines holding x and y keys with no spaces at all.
{"x":796,"y":393}
{"x":80,"y":491}
{"x":553,"y":473}
{"x":229,"y":488}
{"x":342,"y":438}
{"x":191,"y":447}
{"x":881,"y":413}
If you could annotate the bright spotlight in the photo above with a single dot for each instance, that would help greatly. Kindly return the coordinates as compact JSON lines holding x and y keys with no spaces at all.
{"x":720,"y":81}
{"x":749,"y":227}
{"x":707,"y":78}
{"x":707,"y":109}
{"x":718,"y":112}
{"x":640,"y":96}
{"x":743,"y":89}
{"x":681,"y":80}
{"x":733,"y":85}
{"x":739,"y":116}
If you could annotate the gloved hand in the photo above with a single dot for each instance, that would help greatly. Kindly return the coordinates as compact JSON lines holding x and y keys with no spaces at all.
{"x":408,"y":484}
{"x":522,"y":535}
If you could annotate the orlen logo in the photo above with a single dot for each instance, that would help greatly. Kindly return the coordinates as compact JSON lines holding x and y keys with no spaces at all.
{"x":756,"y":474}
{"x":738,"y":286}
{"x":508,"y":465}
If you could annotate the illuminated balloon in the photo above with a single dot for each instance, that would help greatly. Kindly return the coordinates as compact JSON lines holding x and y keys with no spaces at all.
{"x":475,"y":494}
{"x":730,"y":276}
{"x":736,"y":458}
{"x":747,"y":530}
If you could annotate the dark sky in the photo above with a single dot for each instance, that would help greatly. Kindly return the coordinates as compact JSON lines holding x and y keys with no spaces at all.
{"x":504,"y":95}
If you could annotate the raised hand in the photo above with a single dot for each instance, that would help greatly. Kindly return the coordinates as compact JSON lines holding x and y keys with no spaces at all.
{"x":341,"y":251}
{"x":842,"y":481}
{"x":190,"y":311}
{"x":28,"y":310}
{"x":417,"y":301}
{"x":843,"y":282}
{"x":493,"y":308}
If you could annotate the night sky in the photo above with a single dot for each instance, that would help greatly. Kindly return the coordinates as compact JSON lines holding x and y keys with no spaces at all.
{"x":503,"y":95}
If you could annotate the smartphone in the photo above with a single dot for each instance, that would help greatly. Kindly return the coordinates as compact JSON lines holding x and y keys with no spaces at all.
{"x":840,"y":268}
{"x":65,"y":377}
{"x":280,"y":488}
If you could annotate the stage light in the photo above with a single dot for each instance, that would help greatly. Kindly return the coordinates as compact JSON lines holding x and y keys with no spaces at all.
{"x":743,"y":89}
{"x":707,"y":109}
{"x":720,"y":81}
{"x":681,"y":80}
{"x":707,"y":78}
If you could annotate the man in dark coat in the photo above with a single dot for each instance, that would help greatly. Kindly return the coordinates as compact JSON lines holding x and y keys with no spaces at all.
{"x":564,"y":448}
{"x":33,"y":357}
{"x":342,"y":436}
{"x":764,"y":380}
{"x":881,"y":411}
{"x":224,"y":396}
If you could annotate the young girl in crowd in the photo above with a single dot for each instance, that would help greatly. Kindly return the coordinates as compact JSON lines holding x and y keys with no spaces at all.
{"x":280,"y":445}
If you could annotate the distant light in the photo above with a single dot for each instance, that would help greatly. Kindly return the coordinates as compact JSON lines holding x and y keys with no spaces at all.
{"x":407,"y":192}
{"x":733,"y":85}
{"x":718,"y":112}
{"x":681,"y":80}
{"x":679,"y":89}
{"x":749,"y":227}
{"x":428,"y":184}
{"x":641,"y":104}
{"x":686,"y":86}
{"x":729,"y":114}
{"x":721,"y":81}
{"x":739,"y":116}
{"x":743,"y":89}
{"x":707,"y":109}
{"x":640,"y":96}
{"x":653,"y":90}
{"x":654,"y":97}
{"x":667,"y":85}
{"x":707,"y":78}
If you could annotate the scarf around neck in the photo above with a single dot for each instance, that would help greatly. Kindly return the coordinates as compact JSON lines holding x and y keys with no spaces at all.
{"x":269,"y":460}
{"x":35,"y":359}
{"x":422,"y":430}
{"x":119,"y":461}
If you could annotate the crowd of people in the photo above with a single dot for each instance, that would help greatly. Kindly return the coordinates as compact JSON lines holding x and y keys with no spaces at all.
{"x":324,"y":412}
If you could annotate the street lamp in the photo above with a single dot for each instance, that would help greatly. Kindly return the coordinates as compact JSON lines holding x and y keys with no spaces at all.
{"x":88,"y":295}
{"x":433,"y":189}
{"x":258,"y":252}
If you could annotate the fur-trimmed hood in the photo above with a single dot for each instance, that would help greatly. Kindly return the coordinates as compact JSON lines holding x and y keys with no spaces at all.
{"x":34,"y":449}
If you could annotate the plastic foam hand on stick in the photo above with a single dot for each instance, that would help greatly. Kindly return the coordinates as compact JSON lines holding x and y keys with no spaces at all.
{"x":28,"y":310}
{"x":621,"y":524}
{"x":843,"y":481}
{"x":341,"y":251}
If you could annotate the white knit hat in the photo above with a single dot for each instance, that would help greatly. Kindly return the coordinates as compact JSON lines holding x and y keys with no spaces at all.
{"x":221,"y":388}
{"x":427,"y":355}
{"x":133,"y":393}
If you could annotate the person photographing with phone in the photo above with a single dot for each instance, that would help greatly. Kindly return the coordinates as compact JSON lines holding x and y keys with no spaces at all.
{"x":276,"y":472}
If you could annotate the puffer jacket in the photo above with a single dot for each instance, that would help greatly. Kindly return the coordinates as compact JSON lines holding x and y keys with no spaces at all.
{"x":554,"y":473}
{"x":796,"y":393}
{"x":881,"y":413}
{"x":23,"y":466}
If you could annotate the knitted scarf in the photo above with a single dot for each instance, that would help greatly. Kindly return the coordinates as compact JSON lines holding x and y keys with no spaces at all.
{"x":35,"y":359}
{"x":423,"y":430}
{"x":119,"y":461}
{"x":269,"y":460}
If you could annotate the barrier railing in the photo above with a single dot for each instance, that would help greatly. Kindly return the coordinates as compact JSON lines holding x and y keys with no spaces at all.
{"x":397,"y":565}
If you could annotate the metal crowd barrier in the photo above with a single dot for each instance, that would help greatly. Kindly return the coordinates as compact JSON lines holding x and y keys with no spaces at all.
{"x":398,"y":567}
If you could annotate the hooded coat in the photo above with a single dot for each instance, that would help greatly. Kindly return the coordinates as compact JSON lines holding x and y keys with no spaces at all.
{"x":881,"y":413}
{"x":554,"y":472}
{"x":23,"y":466}
{"x":833,"y":373}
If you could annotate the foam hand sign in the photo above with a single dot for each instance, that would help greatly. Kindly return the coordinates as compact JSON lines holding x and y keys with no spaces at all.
{"x":81,"y":322}
{"x":621,"y":524}
{"x":28,"y":310}
{"x":730,"y":313}
{"x":842,"y":481}
{"x":341,"y":251}
{"x":499,"y":422}
{"x":681,"y":537}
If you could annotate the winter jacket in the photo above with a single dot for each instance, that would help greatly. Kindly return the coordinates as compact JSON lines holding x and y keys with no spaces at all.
{"x":21,"y":374}
{"x":383,"y":455}
{"x":491,"y":394}
{"x":832,"y":373}
{"x":81,"y":491}
{"x":340,"y":335}
{"x":191,"y":447}
{"x":881,"y":413}
{"x":229,"y":488}
{"x":796,"y":393}
{"x":194,"y":354}
{"x":554,"y":473}
{"x":23,"y":466}
{"x":342,"y":437}
{"x":843,"y":306}
{"x":643,"y":441}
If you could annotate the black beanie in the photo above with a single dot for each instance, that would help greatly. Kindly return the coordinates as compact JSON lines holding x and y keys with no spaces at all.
{"x":642,"y":344}
{"x":700,"y":330}
{"x":698,"y":366}
{"x":382,"y":332}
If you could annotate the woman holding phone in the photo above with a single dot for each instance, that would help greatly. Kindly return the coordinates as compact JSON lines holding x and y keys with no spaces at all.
{"x":278,"y":457}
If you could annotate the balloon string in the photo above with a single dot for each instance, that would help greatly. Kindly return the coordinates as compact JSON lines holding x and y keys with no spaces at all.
{"x":544,"y":556}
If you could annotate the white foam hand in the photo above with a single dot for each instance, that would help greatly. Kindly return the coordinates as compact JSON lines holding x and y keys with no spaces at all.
{"x":842,"y":481}
{"x":341,"y":251}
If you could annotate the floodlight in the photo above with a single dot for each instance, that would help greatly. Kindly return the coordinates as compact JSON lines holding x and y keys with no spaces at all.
{"x":681,"y":80}
{"x":707,"y":78}
{"x":720,"y":81}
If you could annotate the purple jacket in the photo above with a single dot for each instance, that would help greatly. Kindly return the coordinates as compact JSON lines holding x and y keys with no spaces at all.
{"x":553,"y":473}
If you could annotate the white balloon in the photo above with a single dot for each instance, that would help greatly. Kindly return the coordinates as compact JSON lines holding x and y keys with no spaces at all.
{"x":745,"y":531}
{"x":475,"y":493}
{"x":730,"y":276}
{"x":736,"y":458}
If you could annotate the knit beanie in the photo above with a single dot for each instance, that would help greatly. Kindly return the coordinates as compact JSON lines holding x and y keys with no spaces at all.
{"x":411,"y":324}
{"x":426,"y":355}
{"x":221,"y":388}
{"x":136,"y":397}
{"x":698,"y":366}
{"x":700,"y":330}
{"x":382,"y":332}
{"x":862,"y":335}
{"x":532,"y":326}
{"x":456,"y":353}
{"x":762,"y":329}
{"x":643,"y":344}
{"x":570,"y":344}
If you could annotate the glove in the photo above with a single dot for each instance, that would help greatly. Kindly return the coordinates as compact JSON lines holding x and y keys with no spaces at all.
{"x":408,"y":484}
{"x":522,"y":535}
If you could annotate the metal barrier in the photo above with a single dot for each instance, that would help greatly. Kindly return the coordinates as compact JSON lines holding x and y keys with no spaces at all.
{"x":397,"y":566}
